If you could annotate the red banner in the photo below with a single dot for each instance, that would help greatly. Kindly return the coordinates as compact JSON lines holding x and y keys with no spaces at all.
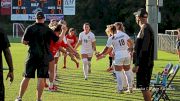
{"x":5,"y":7}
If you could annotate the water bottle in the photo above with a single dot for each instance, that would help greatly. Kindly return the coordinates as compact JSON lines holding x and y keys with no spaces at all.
{"x":158,"y":78}
{"x":164,"y":79}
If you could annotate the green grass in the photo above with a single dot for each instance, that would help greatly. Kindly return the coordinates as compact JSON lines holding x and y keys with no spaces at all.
{"x":99,"y":87}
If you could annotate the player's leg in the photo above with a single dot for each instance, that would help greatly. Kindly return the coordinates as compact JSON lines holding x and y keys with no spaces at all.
{"x":42,"y":74}
{"x":89,"y":61}
{"x":89,"y":64}
{"x":40,"y":88}
{"x":119,"y":74}
{"x":56,"y":58}
{"x":74,"y":59}
{"x":128,"y":73}
{"x":179,"y":53}
{"x":51,"y":73}
{"x":110,"y":63}
{"x":28,"y":73}
{"x":85,"y":65}
{"x":65,"y":56}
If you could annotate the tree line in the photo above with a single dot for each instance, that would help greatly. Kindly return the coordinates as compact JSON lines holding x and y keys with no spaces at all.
{"x":100,"y":13}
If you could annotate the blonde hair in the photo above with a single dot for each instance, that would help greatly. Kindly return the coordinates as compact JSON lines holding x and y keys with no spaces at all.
{"x":119,"y":26}
{"x":110,"y":30}
{"x":53,"y":23}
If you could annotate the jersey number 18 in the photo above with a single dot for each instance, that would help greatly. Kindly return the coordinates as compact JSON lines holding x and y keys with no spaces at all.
{"x":121,"y":42}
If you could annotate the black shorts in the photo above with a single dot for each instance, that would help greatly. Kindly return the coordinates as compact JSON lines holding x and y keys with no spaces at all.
{"x":2,"y":92}
{"x":33,"y":64}
{"x":143,"y":77}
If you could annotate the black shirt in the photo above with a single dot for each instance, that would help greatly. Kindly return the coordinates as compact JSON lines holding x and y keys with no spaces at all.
{"x":144,"y":47}
{"x":4,"y":43}
{"x":39,"y":35}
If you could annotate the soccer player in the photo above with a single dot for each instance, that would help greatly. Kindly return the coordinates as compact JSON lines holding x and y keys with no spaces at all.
{"x":72,"y":40}
{"x":119,"y":40}
{"x":38,"y":36}
{"x":88,"y":42}
{"x":111,"y":54}
{"x":4,"y":47}
{"x":144,"y":50}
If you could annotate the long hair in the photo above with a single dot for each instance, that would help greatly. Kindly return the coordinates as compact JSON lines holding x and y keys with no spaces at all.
{"x":57,"y":28}
{"x":119,"y":26}
{"x":110,"y":30}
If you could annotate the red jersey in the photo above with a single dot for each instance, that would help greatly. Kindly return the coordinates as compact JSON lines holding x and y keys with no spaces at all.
{"x":54,"y":46}
{"x":71,"y":39}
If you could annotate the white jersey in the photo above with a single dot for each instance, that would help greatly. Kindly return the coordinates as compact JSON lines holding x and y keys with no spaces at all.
{"x":119,"y":44}
{"x":87,"y":40}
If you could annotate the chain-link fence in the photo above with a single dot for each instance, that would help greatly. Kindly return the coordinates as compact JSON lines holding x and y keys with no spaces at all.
{"x":166,"y":42}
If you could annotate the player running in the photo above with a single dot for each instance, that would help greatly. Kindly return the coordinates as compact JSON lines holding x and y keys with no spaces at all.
{"x":88,"y":42}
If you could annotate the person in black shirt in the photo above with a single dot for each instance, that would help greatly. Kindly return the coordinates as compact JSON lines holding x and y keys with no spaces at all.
{"x":144,"y":53}
{"x":38,"y":36}
{"x":4,"y":47}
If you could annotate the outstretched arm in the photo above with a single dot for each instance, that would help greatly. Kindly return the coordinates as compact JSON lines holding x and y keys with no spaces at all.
{"x":8,"y":58}
{"x":78,"y":44}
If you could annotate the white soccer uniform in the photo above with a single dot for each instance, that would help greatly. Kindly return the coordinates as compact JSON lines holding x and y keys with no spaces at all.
{"x":120,"y":48}
{"x":87,"y":40}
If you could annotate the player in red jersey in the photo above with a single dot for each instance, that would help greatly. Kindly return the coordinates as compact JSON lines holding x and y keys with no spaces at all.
{"x":71,"y":40}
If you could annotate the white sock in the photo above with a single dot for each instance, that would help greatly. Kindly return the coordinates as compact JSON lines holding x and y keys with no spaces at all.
{"x":85,"y":67}
{"x":55,"y":71}
{"x":129,"y":78}
{"x":119,"y":75}
{"x":125,"y":80}
{"x":50,"y":84}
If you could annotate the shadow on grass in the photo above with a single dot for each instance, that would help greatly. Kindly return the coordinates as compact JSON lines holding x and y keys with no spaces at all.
{"x":99,"y":84}
{"x":167,"y":60}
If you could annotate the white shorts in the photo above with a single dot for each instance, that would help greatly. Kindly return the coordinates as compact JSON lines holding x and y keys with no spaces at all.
{"x":89,"y":53}
{"x":122,"y":61}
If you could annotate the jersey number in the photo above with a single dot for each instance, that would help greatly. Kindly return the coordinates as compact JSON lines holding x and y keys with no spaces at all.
{"x":121,"y":42}
{"x":85,"y":41}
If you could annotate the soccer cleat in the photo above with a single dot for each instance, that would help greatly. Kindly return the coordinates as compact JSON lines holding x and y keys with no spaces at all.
{"x":120,"y":92}
{"x":53,"y":88}
{"x":85,"y":78}
{"x":64,"y":67}
{"x":18,"y":99}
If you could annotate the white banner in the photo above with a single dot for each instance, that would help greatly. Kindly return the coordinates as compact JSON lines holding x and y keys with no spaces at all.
{"x":69,"y":7}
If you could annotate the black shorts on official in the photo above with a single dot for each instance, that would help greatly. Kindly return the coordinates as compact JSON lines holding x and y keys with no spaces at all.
{"x":143,"y":77}
{"x":33,"y":64}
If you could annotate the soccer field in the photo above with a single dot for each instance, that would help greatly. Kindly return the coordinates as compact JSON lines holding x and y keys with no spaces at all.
{"x":99,"y":87}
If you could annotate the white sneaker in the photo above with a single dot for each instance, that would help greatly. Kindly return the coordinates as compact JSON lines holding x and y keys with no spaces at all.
{"x":18,"y":99}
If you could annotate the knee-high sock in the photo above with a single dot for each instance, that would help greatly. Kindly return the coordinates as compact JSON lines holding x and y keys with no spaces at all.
{"x":119,"y":75}
{"x":129,"y":78}
{"x":85,"y":67}
{"x":89,"y":65}
{"x":55,"y":71}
